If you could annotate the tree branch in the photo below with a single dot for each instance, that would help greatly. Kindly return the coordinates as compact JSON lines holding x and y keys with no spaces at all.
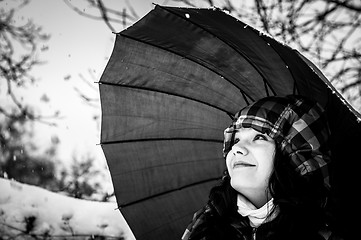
{"x":347,"y":5}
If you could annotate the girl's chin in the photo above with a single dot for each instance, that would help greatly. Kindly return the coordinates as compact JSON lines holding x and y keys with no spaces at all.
{"x":239,"y":184}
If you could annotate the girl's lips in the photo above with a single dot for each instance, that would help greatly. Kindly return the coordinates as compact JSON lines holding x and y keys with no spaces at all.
{"x":243,"y":164}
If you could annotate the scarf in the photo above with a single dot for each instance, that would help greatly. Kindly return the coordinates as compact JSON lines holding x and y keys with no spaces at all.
{"x":255,"y":215}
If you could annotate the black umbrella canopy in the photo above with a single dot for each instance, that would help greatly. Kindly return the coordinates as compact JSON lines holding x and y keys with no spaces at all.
{"x":173,"y":82}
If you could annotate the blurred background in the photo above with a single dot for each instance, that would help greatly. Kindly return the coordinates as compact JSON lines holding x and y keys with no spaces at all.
{"x":52,"y":54}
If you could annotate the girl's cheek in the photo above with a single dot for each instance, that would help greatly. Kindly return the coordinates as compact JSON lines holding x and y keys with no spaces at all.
{"x":228,"y":160}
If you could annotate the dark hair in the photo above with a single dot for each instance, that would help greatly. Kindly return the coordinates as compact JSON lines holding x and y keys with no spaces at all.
{"x":288,"y":186}
{"x":300,"y":199}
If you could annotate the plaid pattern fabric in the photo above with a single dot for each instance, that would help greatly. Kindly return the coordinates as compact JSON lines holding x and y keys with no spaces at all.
{"x":297,"y":125}
{"x":199,"y":222}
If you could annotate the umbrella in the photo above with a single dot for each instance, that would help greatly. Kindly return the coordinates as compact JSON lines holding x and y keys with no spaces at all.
{"x":173,"y":81}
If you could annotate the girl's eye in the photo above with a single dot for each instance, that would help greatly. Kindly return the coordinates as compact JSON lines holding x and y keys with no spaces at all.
{"x":236,"y":141}
{"x":260,"y":137}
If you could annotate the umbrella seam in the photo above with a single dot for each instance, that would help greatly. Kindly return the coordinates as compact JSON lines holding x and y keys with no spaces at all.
{"x":186,"y":215}
{"x":161,"y":139}
{"x":209,"y":160}
{"x":265,"y":38}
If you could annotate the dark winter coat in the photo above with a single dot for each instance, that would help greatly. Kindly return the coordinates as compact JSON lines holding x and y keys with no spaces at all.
{"x":219,"y":220}
{"x":208,"y":224}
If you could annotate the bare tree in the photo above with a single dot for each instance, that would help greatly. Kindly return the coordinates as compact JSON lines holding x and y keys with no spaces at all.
{"x":18,"y":48}
{"x":18,"y":55}
{"x":107,"y":14}
{"x":328,"y":32}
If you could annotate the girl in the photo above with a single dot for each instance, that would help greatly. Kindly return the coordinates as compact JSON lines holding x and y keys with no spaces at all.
{"x":277,"y":179}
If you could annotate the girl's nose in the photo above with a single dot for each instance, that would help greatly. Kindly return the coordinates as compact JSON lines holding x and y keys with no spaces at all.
{"x":239,"y":150}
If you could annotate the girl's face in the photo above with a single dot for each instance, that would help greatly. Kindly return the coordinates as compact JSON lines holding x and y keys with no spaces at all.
{"x":250,"y":161}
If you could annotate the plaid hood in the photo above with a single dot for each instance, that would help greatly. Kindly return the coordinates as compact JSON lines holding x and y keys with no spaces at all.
{"x":298,"y":126}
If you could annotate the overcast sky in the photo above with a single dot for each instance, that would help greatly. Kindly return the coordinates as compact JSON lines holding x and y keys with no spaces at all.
{"x":77,"y":46}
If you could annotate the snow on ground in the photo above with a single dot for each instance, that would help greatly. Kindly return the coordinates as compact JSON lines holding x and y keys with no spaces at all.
{"x":27,"y":210}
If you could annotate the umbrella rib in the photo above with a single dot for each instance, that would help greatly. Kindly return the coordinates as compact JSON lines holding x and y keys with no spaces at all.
{"x":208,"y":160}
{"x":264,"y":38}
{"x":294,"y":81}
{"x":240,"y":53}
{"x":165,"y":224}
{"x":295,"y":88}
{"x":169,"y":191}
{"x":230,"y":114}
{"x":245,"y":98}
{"x":162,"y":139}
